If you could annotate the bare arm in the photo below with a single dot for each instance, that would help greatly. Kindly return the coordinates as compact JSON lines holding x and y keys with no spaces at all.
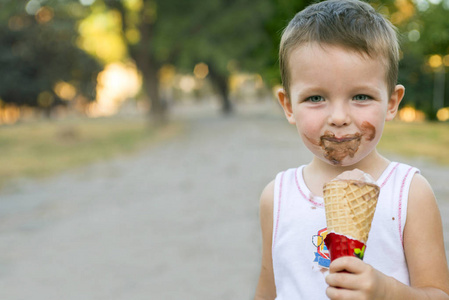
{"x":424,"y":251}
{"x":424,"y":243}
{"x":265,"y":288}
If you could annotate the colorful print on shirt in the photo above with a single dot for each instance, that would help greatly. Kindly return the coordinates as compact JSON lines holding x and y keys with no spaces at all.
{"x":322,"y":256}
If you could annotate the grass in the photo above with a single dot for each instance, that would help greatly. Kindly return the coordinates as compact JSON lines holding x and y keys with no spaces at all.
{"x":425,"y":139}
{"x":43,"y":148}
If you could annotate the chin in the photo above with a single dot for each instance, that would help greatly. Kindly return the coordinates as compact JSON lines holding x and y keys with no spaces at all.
{"x":346,"y":162}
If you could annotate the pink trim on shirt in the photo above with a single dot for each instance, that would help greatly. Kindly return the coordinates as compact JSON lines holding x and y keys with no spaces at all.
{"x":400,"y":205}
{"x":279,"y":208}
{"x":389,"y":175}
{"x":310,"y":199}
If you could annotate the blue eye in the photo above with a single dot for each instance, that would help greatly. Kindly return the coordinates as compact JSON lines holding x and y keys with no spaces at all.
{"x":315,"y":99}
{"x":361,"y":97}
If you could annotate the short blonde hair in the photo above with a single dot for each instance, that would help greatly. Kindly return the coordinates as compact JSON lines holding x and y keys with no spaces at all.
{"x":352,"y":24}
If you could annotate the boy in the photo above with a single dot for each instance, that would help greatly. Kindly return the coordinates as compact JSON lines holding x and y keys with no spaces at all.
{"x":339,"y":64}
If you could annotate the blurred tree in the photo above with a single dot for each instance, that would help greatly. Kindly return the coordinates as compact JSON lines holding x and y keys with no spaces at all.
{"x":426,"y":35}
{"x":283,"y":12}
{"x":184,"y":33}
{"x":231,"y":39}
{"x":424,"y":32}
{"x":423,"y":27}
{"x":37,"y":51}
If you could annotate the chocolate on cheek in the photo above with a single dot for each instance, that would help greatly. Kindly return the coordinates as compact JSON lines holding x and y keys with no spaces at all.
{"x":368,"y":130}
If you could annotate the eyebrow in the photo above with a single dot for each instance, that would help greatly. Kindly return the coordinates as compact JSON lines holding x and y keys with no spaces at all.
{"x":370,"y":88}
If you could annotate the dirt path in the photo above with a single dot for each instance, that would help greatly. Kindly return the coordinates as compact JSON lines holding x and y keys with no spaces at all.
{"x":176,"y":221}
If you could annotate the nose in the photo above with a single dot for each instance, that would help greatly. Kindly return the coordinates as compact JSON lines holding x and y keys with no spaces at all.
{"x":339,"y":115}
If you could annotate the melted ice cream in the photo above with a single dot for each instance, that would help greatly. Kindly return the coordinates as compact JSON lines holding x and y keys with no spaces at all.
{"x":356,"y":174}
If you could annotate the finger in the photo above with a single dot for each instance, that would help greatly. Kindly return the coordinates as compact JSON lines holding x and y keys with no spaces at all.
{"x":336,"y":293}
{"x":343,"y":281}
{"x":347,"y":263}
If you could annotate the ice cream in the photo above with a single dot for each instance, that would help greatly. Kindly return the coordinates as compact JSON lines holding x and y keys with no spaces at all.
{"x":350,"y":201}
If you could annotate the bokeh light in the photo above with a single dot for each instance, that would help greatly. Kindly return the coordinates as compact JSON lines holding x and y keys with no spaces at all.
{"x":100,"y":36}
{"x":410,"y":114}
{"x":9,"y":113}
{"x":446,"y":60}
{"x":443,"y":114}
{"x":65,"y":90}
{"x":44,"y":15}
{"x":201,"y":70}
{"x":435,"y":61}
{"x":116,"y":83}
{"x":187,"y":83}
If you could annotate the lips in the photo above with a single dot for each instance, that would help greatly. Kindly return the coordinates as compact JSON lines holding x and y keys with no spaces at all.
{"x":330,"y":137}
{"x":341,"y":139}
{"x":337,"y":148}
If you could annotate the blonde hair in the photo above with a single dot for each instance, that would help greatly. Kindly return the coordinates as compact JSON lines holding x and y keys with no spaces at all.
{"x":352,"y":24}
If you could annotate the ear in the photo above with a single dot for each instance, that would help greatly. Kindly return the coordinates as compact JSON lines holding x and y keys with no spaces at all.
{"x":286,"y":105}
{"x":395,"y":100}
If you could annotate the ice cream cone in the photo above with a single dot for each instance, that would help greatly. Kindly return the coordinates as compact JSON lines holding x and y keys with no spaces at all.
{"x":350,"y":206}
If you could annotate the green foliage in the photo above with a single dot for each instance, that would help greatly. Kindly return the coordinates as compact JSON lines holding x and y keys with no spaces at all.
{"x":283,"y":12}
{"x":429,"y":20}
{"x":37,"y":49}
{"x":432,"y":23}
{"x":228,"y":35}
{"x":191,"y":31}
{"x":418,"y":82}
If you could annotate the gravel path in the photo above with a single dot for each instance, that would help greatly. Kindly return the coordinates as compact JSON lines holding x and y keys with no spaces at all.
{"x":176,"y":221}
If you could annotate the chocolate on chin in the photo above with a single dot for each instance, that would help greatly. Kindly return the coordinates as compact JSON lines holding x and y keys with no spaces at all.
{"x":350,"y":206}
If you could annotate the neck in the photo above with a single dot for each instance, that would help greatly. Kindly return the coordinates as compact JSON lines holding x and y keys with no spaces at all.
{"x":318,"y":172}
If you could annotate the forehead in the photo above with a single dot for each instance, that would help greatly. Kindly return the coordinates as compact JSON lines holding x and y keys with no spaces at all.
{"x":317,"y":63}
{"x":327,"y":56}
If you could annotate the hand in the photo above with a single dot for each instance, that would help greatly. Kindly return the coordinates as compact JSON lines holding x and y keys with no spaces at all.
{"x":360,"y":281}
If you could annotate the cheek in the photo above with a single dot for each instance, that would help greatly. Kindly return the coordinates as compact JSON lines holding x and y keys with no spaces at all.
{"x":371,"y":124}
{"x":379,"y":129}
{"x":371,"y":133}
{"x":368,"y":131}
{"x":310,"y":132}
{"x":309,"y":123}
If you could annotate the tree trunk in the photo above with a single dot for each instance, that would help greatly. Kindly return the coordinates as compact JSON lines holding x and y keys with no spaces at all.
{"x":147,"y":64}
{"x":221,"y":84}
{"x":158,"y":109}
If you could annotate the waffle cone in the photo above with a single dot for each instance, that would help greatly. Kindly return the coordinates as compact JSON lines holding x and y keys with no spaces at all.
{"x":350,"y":206}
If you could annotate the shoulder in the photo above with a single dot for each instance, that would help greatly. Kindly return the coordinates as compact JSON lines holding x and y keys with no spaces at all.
{"x":420,"y":198}
{"x":421,"y":192}
{"x":422,"y":212}
{"x":272,"y":190}
{"x":267,"y":198}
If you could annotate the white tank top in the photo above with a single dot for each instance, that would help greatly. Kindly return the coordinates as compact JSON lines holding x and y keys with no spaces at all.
{"x":300,"y":257}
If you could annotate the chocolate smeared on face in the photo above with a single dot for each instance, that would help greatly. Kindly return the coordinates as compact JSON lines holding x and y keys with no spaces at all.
{"x":368,"y":131}
{"x":337,"y":148}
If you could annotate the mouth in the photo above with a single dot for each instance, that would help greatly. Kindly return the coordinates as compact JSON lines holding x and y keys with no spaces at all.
{"x":337,"y":148}
{"x":330,"y":137}
{"x":341,"y":139}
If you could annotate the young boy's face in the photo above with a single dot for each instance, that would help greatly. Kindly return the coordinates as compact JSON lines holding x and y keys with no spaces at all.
{"x":339,"y":101}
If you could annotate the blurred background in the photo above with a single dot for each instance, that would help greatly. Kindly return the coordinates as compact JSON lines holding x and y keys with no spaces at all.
{"x":111,"y":86}
{"x":100,"y":57}
{"x":86,"y":59}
